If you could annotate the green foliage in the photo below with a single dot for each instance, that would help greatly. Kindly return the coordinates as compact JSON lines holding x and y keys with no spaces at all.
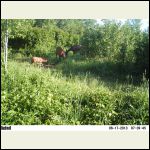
{"x":36,"y":96}
{"x":42,"y":36}
{"x":126,"y":104}
{"x":40,"y":41}
{"x":142,"y":54}
{"x":92,"y":42}
{"x":124,"y":44}
{"x":99,"y":85}
{"x":17,"y":28}
{"x":119,"y":43}
{"x":96,"y":107}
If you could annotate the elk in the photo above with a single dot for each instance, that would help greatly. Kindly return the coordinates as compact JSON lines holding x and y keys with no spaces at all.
{"x":60,"y":52}
{"x":39,"y":60}
{"x":74,"y":49}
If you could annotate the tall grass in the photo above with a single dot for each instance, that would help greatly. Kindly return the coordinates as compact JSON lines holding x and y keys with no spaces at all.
{"x":70,"y":94}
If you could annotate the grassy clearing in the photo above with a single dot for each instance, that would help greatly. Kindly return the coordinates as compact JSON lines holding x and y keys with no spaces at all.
{"x":75,"y":92}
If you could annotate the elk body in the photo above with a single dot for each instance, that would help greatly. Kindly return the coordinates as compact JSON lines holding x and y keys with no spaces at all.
{"x":39,"y":60}
{"x":60,"y":53}
{"x":74,"y":49}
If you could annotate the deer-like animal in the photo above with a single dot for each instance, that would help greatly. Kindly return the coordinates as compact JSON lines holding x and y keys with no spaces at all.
{"x":60,"y":53}
{"x":74,"y":49}
{"x":39,"y":60}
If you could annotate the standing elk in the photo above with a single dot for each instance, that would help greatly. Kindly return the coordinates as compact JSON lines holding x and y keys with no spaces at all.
{"x":60,"y":52}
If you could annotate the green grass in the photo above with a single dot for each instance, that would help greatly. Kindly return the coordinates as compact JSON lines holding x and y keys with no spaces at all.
{"x":75,"y":92}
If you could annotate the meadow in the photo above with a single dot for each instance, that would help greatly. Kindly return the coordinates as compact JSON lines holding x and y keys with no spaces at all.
{"x":105,"y":82}
{"x":74,"y":92}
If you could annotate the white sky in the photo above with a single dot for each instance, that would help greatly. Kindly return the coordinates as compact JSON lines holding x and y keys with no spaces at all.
{"x":145,"y":22}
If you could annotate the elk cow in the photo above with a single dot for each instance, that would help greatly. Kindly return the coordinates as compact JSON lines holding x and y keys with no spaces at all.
{"x":74,"y":49}
{"x":60,"y":52}
{"x":39,"y":60}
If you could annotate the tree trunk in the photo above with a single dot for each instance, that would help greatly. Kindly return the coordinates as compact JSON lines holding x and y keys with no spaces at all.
{"x":6,"y":46}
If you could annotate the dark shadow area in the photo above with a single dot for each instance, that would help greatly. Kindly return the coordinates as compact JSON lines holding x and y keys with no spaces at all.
{"x":106,"y":71}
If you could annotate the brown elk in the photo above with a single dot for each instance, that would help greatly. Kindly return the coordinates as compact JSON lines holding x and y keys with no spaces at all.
{"x":60,"y":52}
{"x":39,"y":60}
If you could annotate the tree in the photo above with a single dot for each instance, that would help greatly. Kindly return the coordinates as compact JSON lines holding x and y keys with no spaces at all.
{"x":6,"y":45}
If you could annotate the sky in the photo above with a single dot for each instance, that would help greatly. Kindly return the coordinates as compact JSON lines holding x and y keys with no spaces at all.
{"x":144,"y":22}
